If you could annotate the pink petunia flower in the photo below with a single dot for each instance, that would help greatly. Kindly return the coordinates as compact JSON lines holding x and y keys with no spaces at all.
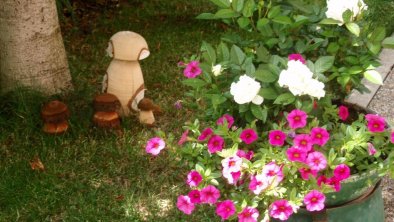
{"x":316,"y":161}
{"x":225,"y":209}
{"x":185,"y":205}
{"x":343,"y":112}
{"x":248,"y":214}
{"x":280,"y":209}
{"x":342,"y":172}
{"x":225,"y":118}
{"x":277,"y":138}
{"x":322,"y":179}
{"x":296,"y":154}
{"x":247,"y":155}
{"x":314,"y":201}
{"x":334,"y":182}
{"x":297,"y":119}
{"x":192,"y":70}
{"x":183,"y":138}
{"x":232,"y":164}
{"x":209,"y":194}
{"x":155,"y":145}
{"x":232,"y":177}
{"x":297,"y":57}
{"x":319,"y":136}
{"x":258,"y":183}
{"x":195,"y":196}
{"x":248,"y":136}
{"x":375,"y":123}
{"x":306,"y":172}
{"x":215,"y":144}
{"x":206,"y":133}
{"x":392,"y":137}
{"x":194,"y":178}
{"x":273,"y":173}
{"x":178,"y":104}
{"x":371,"y":149}
{"x":303,"y":141}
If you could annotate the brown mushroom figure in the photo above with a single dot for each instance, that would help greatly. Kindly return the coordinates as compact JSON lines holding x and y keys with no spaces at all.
{"x":106,"y":108}
{"x":55,"y":115}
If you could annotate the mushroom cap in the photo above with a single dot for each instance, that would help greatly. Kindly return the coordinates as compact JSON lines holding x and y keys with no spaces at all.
{"x":127,"y":45}
{"x":55,"y":112}
{"x":55,"y":128}
{"x":106,"y":119}
{"x":147,"y":105}
{"x":106,"y":102}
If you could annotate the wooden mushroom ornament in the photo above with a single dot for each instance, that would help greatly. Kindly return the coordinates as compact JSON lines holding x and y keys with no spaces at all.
{"x":55,"y":115}
{"x":106,"y":106}
{"x":124,"y":77}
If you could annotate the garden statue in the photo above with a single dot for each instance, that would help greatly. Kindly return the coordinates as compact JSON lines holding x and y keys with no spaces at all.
{"x":124,"y":77}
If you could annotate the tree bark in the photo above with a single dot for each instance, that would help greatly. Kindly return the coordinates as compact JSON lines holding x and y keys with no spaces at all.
{"x":31,"y":47}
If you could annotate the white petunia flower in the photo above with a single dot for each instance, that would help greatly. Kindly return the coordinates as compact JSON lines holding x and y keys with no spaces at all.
{"x":298,"y":78}
{"x":258,"y":100}
{"x":245,"y":90}
{"x":217,"y":70}
{"x":335,"y":8}
{"x":314,"y":88}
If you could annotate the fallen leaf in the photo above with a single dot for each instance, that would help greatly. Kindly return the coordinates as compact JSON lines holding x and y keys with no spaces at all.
{"x":119,"y":198}
{"x":36,"y":164}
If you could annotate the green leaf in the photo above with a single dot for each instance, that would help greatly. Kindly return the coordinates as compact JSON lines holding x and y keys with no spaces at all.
{"x":223,"y":52}
{"x":217,"y":99}
{"x":200,"y":168}
{"x":225,"y":13}
{"x":195,"y":83}
{"x":284,"y":99}
{"x":353,"y":28}
{"x":388,"y":42}
{"x":329,"y":21}
{"x":237,"y":55}
{"x":243,"y":22}
{"x":208,"y":53}
{"x":378,"y":34}
{"x":333,"y":47}
{"x":300,"y":46}
{"x":324,"y":63}
{"x":265,"y":75}
{"x":268,"y":93}
{"x":347,"y":16}
{"x":221,"y":3}
{"x":373,"y":76}
{"x":282,"y":20}
{"x":258,"y":112}
{"x":274,"y":11}
{"x":263,"y":54}
{"x":374,"y":47}
{"x":228,"y":152}
{"x":261,"y":23}
{"x":206,"y":16}
{"x":248,"y":66}
{"x":355,"y":70}
{"x":343,"y":80}
{"x":249,"y":8}
{"x":238,"y":5}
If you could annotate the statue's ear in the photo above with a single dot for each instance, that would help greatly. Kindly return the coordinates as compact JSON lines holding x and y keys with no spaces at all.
{"x":143,"y":54}
{"x":110,"y":49}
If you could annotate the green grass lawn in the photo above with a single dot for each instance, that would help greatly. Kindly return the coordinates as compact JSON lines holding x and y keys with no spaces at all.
{"x":91,"y":174}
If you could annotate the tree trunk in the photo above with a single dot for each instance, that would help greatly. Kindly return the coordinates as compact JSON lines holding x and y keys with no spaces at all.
{"x":31,"y":47}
